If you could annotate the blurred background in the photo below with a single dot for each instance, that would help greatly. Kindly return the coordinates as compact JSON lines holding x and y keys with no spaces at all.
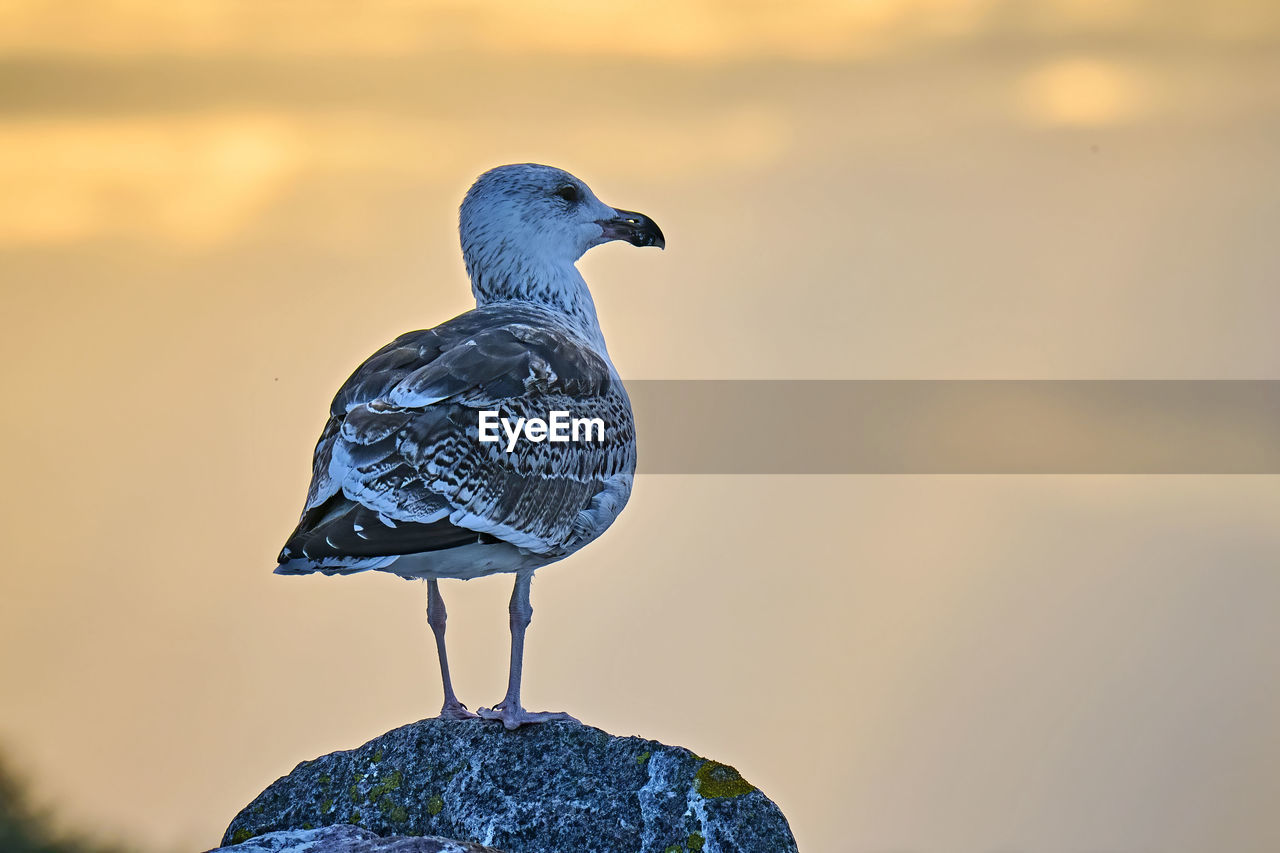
{"x":211,"y":212}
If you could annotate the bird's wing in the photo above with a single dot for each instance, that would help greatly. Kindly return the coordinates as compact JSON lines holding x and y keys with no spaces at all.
{"x":400,"y":469}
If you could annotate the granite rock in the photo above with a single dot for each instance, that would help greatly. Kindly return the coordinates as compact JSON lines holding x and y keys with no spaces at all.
{"x":557,"y":787}
{"x":350,"y":839}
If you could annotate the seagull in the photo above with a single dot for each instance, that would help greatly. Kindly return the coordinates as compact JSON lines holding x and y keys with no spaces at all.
{"x":407,"y":476}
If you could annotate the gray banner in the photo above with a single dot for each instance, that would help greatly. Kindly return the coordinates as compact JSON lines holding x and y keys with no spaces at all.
{"x":957,"y":427}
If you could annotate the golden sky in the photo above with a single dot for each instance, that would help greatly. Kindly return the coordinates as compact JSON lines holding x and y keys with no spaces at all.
{"x":211,"y":212}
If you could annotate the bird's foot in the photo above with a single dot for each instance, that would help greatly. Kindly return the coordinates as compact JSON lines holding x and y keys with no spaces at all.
{"x":456,"y":711}
{"x":513,"y":716}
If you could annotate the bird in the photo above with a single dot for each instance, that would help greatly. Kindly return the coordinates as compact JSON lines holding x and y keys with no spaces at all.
{"x":406,"y":478}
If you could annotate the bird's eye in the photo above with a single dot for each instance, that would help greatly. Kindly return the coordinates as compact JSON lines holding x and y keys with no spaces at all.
{"x":569,"y":193}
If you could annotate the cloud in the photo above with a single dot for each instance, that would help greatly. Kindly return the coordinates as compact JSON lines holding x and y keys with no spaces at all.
{"x":188,"y":180}
{"x":1083,"y":91}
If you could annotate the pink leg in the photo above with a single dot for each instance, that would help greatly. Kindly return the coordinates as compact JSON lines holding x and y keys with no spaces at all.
{"x":509,"y":710}
{"x":453,"y":709}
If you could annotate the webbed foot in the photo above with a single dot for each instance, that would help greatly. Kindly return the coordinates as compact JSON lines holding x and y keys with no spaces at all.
{"x":456,"y":711}
{"x":513,"y":716}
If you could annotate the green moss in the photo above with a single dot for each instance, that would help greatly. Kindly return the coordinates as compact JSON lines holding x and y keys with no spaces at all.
{"x":674,"y":848}
{"x":716,"y":781}
{"x":355,"y":794}
{"x":308,"y":825}
{"x":325,"y":779}
{"x":240,"y":836}
{"x":392,"y":782}
{"x":326,"y":805}
{"x":355,"y":818}
{"x":377,"y":756}
{"x":642,"y":758}
{"x":392,"y":811}
{"x":380,"y":796}
{"x":695,"y":842}
{"x":435,"y":805}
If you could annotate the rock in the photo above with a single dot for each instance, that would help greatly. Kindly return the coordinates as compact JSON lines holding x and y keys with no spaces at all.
{"x":557,"y":787}
{"x":350,"y":839}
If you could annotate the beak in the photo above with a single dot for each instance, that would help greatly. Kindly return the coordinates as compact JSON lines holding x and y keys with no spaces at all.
{"x":636,"y":228}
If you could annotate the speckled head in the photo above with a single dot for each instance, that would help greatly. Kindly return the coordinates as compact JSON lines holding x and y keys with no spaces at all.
{"x":524,"y":226}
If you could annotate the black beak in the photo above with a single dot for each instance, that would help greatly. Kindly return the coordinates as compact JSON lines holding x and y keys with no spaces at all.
{"x":636,"y":228}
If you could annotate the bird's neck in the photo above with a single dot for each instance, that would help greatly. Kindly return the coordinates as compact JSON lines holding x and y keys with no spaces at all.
{"x":557,"y":286}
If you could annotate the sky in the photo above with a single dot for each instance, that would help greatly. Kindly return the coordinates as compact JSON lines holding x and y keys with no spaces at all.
{"x":210,"y":213}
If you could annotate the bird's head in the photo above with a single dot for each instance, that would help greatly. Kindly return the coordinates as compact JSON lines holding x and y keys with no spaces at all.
{"x":522,"y":223}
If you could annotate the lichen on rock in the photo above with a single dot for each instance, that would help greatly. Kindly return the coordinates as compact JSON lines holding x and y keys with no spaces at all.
{"x":557,"y":786}
{"x":716,"y":780}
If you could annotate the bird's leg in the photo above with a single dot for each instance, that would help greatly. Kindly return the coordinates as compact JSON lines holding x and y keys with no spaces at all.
{"x":509,"y":709}
{"x":453,"y":709}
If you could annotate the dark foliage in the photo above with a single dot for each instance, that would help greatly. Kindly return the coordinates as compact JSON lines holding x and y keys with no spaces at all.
{"x":25,"y":829}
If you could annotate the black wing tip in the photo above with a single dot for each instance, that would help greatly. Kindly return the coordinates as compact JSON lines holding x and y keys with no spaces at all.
{"x":303,"y":566}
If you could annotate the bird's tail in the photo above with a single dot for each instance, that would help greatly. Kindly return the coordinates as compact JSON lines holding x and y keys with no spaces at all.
{"x":331,"y":565}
